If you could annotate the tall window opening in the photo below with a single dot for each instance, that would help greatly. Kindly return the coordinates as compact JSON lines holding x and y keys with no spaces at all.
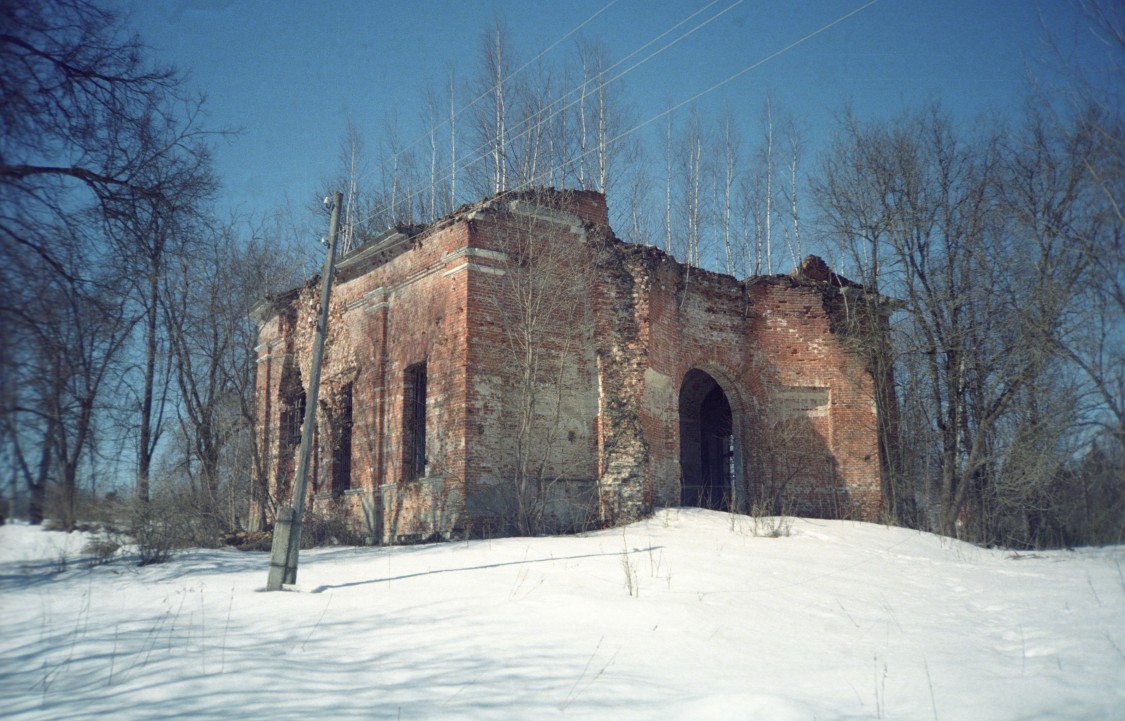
{"x":342,"y":451}
{"x":414,"y":422}
{"x":292,"y":418}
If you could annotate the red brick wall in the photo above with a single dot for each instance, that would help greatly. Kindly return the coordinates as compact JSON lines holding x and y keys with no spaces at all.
{"x":403,"y":312}
{"x":763,"y":342}
{"x":646,"y":322}
{"x":769,"y":344}
{"x":562,"y":341}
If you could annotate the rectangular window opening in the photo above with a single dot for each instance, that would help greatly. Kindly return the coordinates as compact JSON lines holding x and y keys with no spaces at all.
{"x":414,"y":422}
{"x":342,"y":452}
{"x":292,"y":418}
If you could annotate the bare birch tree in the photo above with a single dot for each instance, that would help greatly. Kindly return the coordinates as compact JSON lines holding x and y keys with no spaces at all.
{"x":768,"y":170}
{"x":668,"y":176}
{"x":791,"y":191}
{"x":694,"y":190}
{"x":731,"y":165}
{"x":491,"y":114}
{"x":543,"y":303}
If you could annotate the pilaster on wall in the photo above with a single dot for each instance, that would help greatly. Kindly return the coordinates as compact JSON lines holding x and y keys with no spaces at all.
{"x":265,"y":401}
{"x":375,"y":312}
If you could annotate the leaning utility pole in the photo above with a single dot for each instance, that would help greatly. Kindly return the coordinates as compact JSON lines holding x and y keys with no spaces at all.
{"x":287,"y":524}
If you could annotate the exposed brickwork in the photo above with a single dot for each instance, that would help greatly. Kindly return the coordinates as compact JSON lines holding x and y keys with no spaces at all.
{"x":801,"y":433}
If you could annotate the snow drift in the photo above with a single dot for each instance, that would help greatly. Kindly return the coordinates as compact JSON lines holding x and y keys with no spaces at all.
{"x":689,"y":615}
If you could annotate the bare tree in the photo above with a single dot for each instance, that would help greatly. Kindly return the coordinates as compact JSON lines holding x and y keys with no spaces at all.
{"x":1091,"y":124}
{"x":71,"y":337}
{"x":768,"y":169}
{"x":916,"y":207}
{"x":490,"y":116}
{"x":694,"y":191}
{"x":543,"y":305}
{"x":639,"y":184}
{"x":149,"y":228}
{"x":94,"y":133}
{"x":788,"y":451}
{"x":430,"y":118}
{"x":668,"y":176}
{"x":791,"y":191}
{"x":529,"y":140}
{"x":756,"y":201}
{"x":395,"y":200}
{"x":1063,"y":189}
{"x":602,"y":117}
{"x":207,"y":310}
{"x":749,"y":255}
{"x":732,"y":161}
{"x":583,"y":119}
{"x":353,"y":161}
{"x":80,"y":99}
{"x":365,"y":213}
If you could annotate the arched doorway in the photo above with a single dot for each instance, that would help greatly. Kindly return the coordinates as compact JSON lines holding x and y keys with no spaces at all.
{"x":707,"y":447}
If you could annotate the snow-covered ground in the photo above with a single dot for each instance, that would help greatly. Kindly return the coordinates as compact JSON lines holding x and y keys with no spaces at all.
{"x":689,"y":615}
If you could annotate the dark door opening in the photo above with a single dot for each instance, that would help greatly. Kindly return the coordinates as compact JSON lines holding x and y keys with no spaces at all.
{"x":706,"y":443}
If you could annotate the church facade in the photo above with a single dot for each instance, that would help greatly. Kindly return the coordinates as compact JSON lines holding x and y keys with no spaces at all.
{"x":515,"y":368}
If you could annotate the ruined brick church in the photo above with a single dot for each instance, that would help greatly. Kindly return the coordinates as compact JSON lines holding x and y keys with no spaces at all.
{"x":470,"y":387}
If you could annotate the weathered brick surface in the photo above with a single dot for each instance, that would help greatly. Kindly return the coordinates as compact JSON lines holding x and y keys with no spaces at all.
{"x":801,"y":406}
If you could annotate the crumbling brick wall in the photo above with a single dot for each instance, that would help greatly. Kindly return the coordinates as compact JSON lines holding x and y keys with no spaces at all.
{"x":654,"y":335}
{"x":801,"y":401}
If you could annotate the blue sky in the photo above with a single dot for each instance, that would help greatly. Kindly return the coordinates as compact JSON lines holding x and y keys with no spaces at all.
{"x":292,"y":74}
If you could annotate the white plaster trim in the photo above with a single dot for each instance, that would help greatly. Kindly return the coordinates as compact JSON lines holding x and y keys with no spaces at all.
{"x":267,"y":347}
{"x":551,"y":215}
{"x":375,"y":299}
{"x":354,"y":303}
{"x":381,"y":297}
{"x":466,"y":252}
{"x":474,"y":266}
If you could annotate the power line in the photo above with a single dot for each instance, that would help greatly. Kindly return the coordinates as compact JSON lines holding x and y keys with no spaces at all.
{"x":747,"y":69}
{"x":511,"y":75}
{"x":539,"y":123}
{"x":621,"y":136}
{"x":482,"y":151}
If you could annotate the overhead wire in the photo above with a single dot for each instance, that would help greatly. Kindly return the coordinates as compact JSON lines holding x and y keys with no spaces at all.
{"x":743,"y":71}
{"x":748,"y":68}
{"x":482,"y":151}
{"x":621,"y":136}
{"x":509,"y":77}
